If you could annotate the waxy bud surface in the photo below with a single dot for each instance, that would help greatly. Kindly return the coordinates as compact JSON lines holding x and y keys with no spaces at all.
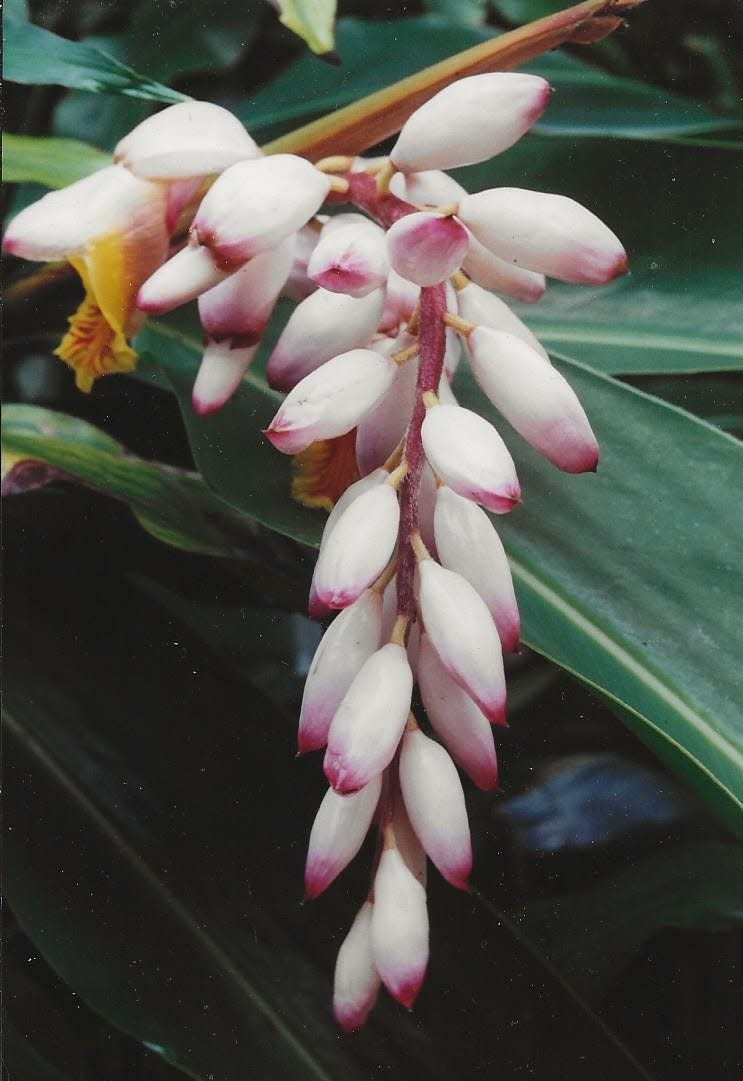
{"x":350,"y":258}
{"x":356,"y":983}
{"x":399,"y":928}
{"x":338,"y":832}
{"x":220,"y":373}
{"x":425,"y":248}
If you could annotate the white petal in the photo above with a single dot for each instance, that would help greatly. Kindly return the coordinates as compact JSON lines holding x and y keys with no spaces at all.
{"x":338,"y":832}
{"x":357,"y":981}
{"x":220,"y":374}
{"x":255,"y":204}
{"x":241,"y":305}
{"x":482,"y":308}
{"x":547,"y":233}
{"x":400,"y":303}
{"x":382,"y":429}
{"x":348,"y":642}
{"x":189,"y":273}
{"x":429,"y":188}
{"x":425,"y":248}
{"x":466,"y":542}
{"x":350,"y":258}
{"x":399,"y":928}
{"x":539,"y":403}
{"x":322,"y":326}
{"x":469,"y":455}
{"x":192,"y":138}
{"x":367,"y":726}
{"x":492,"y":272}
{"x":435,"y":803}
{"x":463,"y":634}
{"x":470,"y":121}
{"x":457,"y":719}
{"x":359,"y":547}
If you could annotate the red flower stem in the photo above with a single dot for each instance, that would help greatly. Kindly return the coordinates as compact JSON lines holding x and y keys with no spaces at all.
{"x":432,"y":345}
{"x":385,"y":207}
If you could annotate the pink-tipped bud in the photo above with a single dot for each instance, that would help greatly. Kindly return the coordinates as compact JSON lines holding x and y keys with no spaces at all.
{"x":408,"y":841}
{"x":467,"y":543}
{"x":240,"y":306}
{"x":492,"y":272}
{"x":348,"y":642}
{"x":547,"y":233}
{"x":399,"y":928}
{"x":382,"y":429}
{"x":298,"y":286}
{"x":220,"y":374}
{"x":359,"y":547}
{"x":480,"y":307}
{"x":331,"y":400}
{"x":350,"y":258}
{"x":338,"y":832}
{"x":189,"y":273}
{"x":533,"y":396}
{"x":356,"y":983}
{"x":463,"y":634}
{"x":426,"y":248}
{"x":367,"y":726}
{"x":192,"y":138}
{"x":254,"y":205}
{"x":469,"y":121}
{"x":322,"y":326}
{"x":469,"y":455}
{"x":400,"y":302}
{"x":458,"y":720}
{"x":435,"y":803}
{"x":429,"y":188}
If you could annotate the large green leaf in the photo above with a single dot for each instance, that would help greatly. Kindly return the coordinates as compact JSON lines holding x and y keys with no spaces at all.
{"x":40,"y":58}
{"x":152,"y":853}
{"x":170,"y":503}
{"x":622,"y":577}
{"x":586,"y":101}
{"x":55,"y":163}
{"x":676,"y":211}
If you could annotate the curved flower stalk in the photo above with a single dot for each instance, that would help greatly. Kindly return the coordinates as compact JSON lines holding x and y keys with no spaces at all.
{"x":394,"y":292}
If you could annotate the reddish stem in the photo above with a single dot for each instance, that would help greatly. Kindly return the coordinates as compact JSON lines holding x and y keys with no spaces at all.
{"x":432,"y":345}
{"x":385,"y":207}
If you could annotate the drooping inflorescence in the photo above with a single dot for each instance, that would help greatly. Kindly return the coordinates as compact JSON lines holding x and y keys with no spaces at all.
{"x":391,"y":292}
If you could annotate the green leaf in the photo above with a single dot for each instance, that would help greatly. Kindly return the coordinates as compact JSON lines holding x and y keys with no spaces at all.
{"x":171,"y":504}
{"x":311,"y":20}
{"x":40,"y":58}
{"x":717,"y":398}
{"x":152,"y":806}
{"x":55,"y":163}
{"x":592,"y":935}
{"x":586,"y":101}
{"x":466,"y":12}
{"x":665,"y":316}
{"x":619,"y":581}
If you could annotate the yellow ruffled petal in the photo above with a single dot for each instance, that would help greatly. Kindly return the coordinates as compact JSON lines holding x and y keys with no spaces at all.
{"x":324,"y":470}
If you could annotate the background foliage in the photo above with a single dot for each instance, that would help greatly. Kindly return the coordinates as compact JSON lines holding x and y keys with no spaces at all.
{"x":155,"y":839}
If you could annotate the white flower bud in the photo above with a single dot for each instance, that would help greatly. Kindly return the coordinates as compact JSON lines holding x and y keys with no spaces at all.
{"x":189,"y":273}
{"x":408,"y":842}
{"x":429,"y":188}
{"x":400,"y":303}
{"x":331,"y":400}
{"x":220,"y":374}
{"x":358,"y":548}
{"x":192,"y":138}
{"x":469,"y":121}
{"x":338,"y":832}
{"x":435,"y":803}
{"x":255,"y":204}
{"x":467,"y":543}
{"x":480,"y":307}
{"x":457,"y":720}
{"x":426,"y":248}
{"x":382,"y":429}
{"x":492,"y":272}
{"x":350,"y":258}
{"x":356,"y":983}
{"x":547,"y":233}
{"x":399,"y":927}
{"x":298,"y":285}
{"x":463,"y":633}
{"x":348,"y":642}
{"x":367,"y":726}
{"x":533,"y":397}
{"x":322,"y":326}
{"x":240,"y":306}
{"x":469,"y":455}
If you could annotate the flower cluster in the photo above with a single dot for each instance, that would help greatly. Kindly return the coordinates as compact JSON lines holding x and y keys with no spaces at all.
{"x":391,"y":294}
